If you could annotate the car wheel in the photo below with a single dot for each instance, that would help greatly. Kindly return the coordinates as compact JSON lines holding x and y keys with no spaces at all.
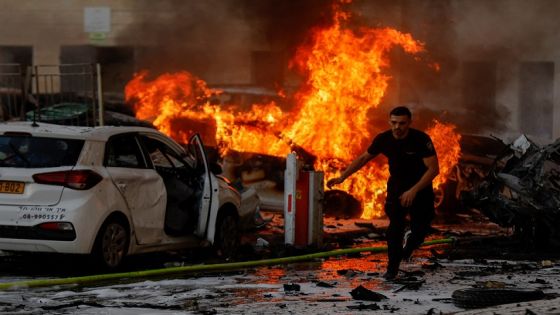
{"x":111,"y":244}
{"x":226,"y":240}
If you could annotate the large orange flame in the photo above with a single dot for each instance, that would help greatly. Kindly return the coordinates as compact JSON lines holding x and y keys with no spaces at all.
{"x":345,"y":82}
{"x":446,"y":142}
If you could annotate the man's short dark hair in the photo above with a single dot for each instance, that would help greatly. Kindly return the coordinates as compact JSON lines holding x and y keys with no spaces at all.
{"x":401,"y":111}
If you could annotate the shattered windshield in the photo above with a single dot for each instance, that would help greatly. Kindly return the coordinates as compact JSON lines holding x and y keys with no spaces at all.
{"x":34,"y":152}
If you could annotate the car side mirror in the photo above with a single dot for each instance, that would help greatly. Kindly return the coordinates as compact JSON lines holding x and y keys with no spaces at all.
{"x":215,"y":168}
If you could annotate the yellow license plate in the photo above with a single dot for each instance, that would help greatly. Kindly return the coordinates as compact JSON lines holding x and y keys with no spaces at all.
{"x":11,"y":187}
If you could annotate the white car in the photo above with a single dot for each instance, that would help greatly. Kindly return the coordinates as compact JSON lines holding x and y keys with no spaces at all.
{"x":112,"y":192}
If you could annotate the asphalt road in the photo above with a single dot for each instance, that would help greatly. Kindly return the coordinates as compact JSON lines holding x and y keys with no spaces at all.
{"x":483,"y":257}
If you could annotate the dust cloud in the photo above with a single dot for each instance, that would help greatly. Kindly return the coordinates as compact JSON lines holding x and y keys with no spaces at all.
{"x":480,"y":47}
{"x":218,"y":39}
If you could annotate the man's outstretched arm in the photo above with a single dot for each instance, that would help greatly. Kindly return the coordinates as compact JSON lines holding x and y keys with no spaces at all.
{"x":358,"y":163}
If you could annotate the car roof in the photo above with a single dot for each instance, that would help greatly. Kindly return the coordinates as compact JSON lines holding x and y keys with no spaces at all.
{"x":71,"y":132}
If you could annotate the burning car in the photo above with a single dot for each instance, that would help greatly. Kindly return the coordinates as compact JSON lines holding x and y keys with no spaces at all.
{"x":522,"y":191}
{"x":477,"y":155}
{"x":112,"y":192}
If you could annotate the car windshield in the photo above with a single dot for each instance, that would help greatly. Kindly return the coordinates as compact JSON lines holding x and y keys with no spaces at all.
{"x":33,"y":152}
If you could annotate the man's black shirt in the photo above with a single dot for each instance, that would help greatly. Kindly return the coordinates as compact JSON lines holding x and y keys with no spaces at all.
{"x":405,"y":156}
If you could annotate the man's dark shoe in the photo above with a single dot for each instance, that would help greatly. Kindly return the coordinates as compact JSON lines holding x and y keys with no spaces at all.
{"x":390,"y":275}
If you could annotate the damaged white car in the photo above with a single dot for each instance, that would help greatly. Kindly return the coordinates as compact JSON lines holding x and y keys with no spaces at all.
{"x":112,"y":192}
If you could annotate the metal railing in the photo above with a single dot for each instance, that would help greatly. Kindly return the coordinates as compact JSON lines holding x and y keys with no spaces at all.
{"x":68,"y":94}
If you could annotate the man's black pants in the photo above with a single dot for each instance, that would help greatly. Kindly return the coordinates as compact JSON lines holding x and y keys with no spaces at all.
{"x":421,"y":214}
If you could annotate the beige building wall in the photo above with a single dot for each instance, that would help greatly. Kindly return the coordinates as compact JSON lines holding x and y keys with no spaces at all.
{"x":48,"y":25}
{"x":511,"y":33}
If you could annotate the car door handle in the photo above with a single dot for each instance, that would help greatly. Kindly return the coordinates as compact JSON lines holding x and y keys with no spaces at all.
{"x":122,"y":186}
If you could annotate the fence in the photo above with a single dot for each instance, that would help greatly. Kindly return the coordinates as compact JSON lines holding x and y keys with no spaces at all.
{"x":68,"y":94}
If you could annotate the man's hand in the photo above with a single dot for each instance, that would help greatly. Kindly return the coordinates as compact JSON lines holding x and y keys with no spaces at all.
{"x":334,"y":181}
{"x":351,"y":169}
{"x":407,"y":198}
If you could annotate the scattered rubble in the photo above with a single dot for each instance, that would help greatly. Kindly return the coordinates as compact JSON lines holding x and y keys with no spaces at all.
{"x":291,"y":287}
{"x":364,"y":294}
{"x":484,"y":297}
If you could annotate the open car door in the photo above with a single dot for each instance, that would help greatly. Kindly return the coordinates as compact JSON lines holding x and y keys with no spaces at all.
{"x":185,"y":184}
{"x":196,"y":149}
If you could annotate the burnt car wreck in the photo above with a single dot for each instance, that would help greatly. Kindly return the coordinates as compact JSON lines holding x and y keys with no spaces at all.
{"x":522,"y":191}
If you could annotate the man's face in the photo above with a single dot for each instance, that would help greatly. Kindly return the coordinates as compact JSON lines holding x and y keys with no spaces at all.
{"x":399,"y":126}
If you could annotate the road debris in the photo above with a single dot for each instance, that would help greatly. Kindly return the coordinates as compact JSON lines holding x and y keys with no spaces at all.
{"x":484,"y":297}
{"x":364,"y":294}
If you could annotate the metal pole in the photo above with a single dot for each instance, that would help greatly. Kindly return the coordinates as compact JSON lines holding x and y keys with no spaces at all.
{"x":38,"y":109}
{"x":25,"y":87}
{"x":90,"y":77}
{"x":99,"y":94}
{"x":290,"y":191}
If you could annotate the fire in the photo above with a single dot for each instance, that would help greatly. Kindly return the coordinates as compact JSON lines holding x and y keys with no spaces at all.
{"x":178,"y":105}
{"x":167,"y":98}
{"x":254,"y":131}
{"x":446,"y":142}
{"x":345,"y":82}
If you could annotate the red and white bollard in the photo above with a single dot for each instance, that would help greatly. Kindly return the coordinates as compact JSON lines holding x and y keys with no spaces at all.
{"x":303,"y":205}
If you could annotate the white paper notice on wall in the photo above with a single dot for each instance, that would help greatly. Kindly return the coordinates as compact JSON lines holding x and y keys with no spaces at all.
{"x":97,"y":19}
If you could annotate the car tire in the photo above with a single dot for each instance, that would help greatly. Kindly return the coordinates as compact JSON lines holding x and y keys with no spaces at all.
{"x":227,"y":238}
{"x":339,"y":203}
{"x":111,"y":244}
{"x":484,"y":297}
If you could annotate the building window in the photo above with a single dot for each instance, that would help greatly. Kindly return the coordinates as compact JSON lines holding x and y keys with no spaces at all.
{"x":117,"y":64}
{"x":536,"y":90}
{"x":479,"y":93}
{"x":22,"y":55}
{"x":14,"y":61}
